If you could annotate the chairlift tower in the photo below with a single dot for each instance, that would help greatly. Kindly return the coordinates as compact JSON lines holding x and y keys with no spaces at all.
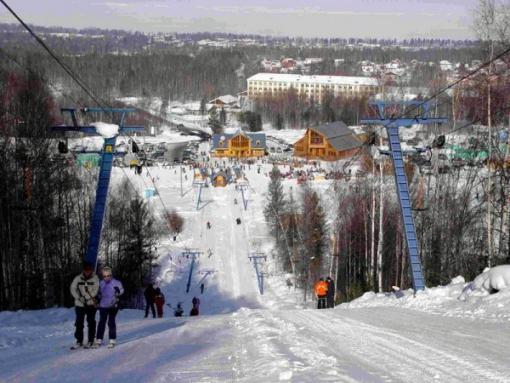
{"x":392,"y":125}
{"x":194,"y":254}
{"x":257,"y":258}
{"x":107,"y":153}
{"x":243,"y":186}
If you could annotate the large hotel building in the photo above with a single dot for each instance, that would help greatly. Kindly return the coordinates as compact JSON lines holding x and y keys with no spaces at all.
{"x":275,"y":84}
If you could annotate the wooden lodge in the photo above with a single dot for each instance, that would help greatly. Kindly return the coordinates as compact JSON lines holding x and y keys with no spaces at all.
{"x":238,"y":145}
{"x":330,"y":142}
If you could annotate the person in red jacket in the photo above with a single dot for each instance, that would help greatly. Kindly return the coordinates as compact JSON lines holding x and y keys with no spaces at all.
{"x":321,"y":291}
{"x":159,"y":300}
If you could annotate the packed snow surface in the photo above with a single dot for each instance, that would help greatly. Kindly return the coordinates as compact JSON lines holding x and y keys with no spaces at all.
{"x":242,"y":336}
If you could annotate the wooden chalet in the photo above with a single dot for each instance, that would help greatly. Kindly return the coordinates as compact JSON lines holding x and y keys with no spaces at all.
{"x":220,"y":179}
{"x":330,"y":142}
{"x":238,"y":145}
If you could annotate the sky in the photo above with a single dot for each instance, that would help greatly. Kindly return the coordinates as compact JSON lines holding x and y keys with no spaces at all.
{"x":317,"y":18}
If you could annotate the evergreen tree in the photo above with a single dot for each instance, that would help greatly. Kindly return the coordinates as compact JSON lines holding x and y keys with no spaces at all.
{"x":203,"y":108}
{"x":214,"y":123}
{"x":275,"y":205}
{"x":223,"y":117}
{"x":279,"y":121}
{"x":314,"y":235}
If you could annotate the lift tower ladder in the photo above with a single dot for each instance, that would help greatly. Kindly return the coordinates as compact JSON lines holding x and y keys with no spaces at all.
{"x":392,"y":125}
{"x":107,"y":153}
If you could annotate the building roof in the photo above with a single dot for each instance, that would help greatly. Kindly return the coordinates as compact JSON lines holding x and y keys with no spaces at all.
{"x":258,"y":140}
{"x":227,"y":100}
{"x":338,"y":135}
{"x":297,"y":78}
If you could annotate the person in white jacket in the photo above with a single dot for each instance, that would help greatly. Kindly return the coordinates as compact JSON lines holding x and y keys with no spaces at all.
{"x":84,"y":290}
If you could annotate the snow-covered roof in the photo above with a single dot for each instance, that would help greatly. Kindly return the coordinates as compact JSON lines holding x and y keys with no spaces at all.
{"x":297,"y":78}
{"x":227,"y":99}
{"x":258,"y":140}
{"x":338,"y":135}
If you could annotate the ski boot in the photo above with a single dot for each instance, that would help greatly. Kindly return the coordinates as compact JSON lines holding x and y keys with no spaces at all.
{"x":76,"y":346}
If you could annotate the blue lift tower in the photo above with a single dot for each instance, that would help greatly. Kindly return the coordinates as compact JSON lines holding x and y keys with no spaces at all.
{"x":107,"y":154}
{"x":392,"y":125}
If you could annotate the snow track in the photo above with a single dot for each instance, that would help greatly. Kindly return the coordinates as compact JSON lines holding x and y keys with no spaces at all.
{"x":245,"y":341}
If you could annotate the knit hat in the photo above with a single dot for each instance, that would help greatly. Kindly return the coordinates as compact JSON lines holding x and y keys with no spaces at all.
{"x":87,"y":266}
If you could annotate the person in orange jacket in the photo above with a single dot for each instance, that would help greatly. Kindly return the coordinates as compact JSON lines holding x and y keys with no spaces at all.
{"x":321,"y":291}
{"x":159,"y":300}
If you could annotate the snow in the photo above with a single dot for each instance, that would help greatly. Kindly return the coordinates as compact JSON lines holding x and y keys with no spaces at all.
{"x":243,"y":336}
{"x":106,"y":130}
{"x":492,"y":279}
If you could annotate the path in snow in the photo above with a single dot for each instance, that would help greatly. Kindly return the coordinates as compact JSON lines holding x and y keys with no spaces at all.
{"x":355,"y":345}
{"x":253,"y":344}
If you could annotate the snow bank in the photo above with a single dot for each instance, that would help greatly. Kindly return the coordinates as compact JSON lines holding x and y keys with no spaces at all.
{"x":491,"y":280}
{"x":106,"y":130}
{"x":457,"y":299}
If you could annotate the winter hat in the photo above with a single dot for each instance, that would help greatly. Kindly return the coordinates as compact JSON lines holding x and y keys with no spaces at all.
{"x":87,"y":266}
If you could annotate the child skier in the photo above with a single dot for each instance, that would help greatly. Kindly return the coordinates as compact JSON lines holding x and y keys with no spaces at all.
{"x":159,"y":300}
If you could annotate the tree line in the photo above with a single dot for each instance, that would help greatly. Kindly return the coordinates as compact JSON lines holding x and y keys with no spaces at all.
{"x":46,"y":206}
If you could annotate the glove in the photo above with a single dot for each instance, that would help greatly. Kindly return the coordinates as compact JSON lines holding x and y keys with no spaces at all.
{"x":117,"y":290}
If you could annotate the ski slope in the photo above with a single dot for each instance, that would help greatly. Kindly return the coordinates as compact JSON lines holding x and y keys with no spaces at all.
{"x":242,"y":336}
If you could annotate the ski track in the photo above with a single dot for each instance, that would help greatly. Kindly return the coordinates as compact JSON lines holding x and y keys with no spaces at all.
{"x":254,"y":343}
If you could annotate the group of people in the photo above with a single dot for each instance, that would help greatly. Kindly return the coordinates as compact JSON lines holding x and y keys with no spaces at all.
{"x":155,"y":301}
{"x":325,"y":292}
{"x":154,"y":297}
{"x":91,"y":294}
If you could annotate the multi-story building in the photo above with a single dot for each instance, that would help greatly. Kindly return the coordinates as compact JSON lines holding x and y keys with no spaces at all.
{"x":273,"y":84}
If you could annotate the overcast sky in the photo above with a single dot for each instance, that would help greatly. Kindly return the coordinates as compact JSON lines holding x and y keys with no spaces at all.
{"x":322,"y":18}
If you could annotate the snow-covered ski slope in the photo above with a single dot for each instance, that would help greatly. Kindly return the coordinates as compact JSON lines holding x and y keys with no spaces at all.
{"x":242,"y":336}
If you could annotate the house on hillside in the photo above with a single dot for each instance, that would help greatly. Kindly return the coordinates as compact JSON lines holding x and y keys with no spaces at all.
{"x":227,"y":100}
{"x":332,"y":141}
{"x":238,"y":145}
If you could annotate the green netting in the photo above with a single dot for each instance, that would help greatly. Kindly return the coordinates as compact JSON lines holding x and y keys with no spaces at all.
{"x":88,"y":160}
{"x":457,"y":151}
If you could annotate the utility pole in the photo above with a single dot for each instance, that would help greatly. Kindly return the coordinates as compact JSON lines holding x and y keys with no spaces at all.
{"x":107,"y":153}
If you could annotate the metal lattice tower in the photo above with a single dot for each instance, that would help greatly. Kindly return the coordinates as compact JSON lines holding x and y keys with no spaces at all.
{"x":392,"y":125}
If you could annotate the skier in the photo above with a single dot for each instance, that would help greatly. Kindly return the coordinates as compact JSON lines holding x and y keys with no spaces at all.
{"x":149,"y":299}
{"x":159,"y":300}
{"x":84,"y":289}
{"x":238,"y":221}
{"x":179,"y":311}
{"x":321,"y":290}
{"x":330,"y":296}
{"x":208,"y":224}
{"x":202,"y":287}
{"x":196,"y":306}
{"x":235,"y":201}
{"x":110,"y":291}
